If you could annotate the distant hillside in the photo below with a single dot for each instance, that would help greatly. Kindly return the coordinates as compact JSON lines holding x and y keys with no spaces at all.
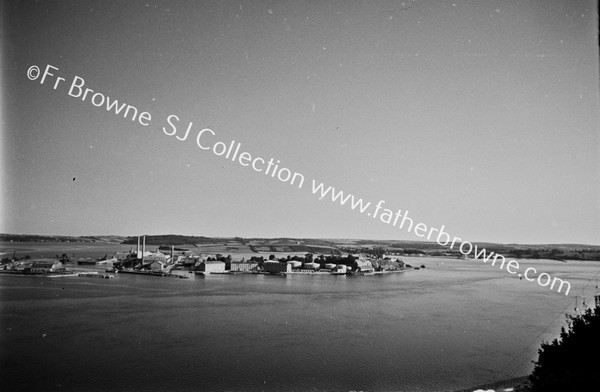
{"x":172,"y":239}
{"x":59,"y":238}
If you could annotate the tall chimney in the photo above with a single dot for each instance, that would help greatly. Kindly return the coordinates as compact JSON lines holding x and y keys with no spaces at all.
{"x":137,"y":251}
{"x":143,"y":248}
{"x":172,"y":252}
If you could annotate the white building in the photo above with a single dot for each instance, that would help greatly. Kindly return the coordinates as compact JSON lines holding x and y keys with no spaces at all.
{"x":209,"y":267}
{"x":243,"y":266}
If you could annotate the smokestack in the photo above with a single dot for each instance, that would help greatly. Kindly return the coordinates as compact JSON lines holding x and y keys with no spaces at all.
{"x":172,"y":252}
{"x":143,"y":248}
{"x":137,"y":251}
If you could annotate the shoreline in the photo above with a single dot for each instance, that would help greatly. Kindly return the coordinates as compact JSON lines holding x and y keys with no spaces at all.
{"x":497,"y":386}
{"x":77,"y":272}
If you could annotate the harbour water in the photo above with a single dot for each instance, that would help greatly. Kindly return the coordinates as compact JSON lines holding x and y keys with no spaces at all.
{"x":449,"y":326}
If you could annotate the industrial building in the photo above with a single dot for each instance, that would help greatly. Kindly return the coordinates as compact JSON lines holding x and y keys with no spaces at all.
{"x":363,"y":265}
{"x":43,"y":266}
{"x":274,"y":267}
{"x":243,"y":267}
{"x":209,"y":267}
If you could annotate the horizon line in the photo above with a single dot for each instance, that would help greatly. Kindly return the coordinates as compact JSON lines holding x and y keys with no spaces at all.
{"x":300,"y":238}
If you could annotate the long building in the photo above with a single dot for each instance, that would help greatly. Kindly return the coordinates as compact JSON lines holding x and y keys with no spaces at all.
{"x":274,"y":267}
{"x":212,"y":266}
{"x":243,"y":266}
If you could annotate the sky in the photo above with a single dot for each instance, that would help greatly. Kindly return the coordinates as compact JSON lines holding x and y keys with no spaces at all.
{"x":481,"y":116}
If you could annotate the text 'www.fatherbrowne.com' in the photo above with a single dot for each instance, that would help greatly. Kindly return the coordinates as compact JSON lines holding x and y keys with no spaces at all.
{"x":401,"y":220}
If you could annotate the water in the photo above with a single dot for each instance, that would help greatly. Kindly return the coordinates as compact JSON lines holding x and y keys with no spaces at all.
{"x":452,"y":325}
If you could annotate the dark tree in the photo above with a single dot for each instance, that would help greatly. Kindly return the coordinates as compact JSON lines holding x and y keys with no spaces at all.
{"x":571,"y":362}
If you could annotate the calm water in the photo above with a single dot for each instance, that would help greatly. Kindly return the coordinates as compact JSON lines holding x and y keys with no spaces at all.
{"x":452,"y":325}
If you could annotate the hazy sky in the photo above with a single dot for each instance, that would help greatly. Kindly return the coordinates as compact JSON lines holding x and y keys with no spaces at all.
{"x":481,"y":116}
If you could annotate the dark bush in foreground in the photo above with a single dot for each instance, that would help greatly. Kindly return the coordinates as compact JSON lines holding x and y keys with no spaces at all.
{"x":572,"y":362}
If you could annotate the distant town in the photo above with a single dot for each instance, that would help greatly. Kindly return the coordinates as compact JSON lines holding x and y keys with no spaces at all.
{"x":178,"y":256}
{"x":168,"y":260}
